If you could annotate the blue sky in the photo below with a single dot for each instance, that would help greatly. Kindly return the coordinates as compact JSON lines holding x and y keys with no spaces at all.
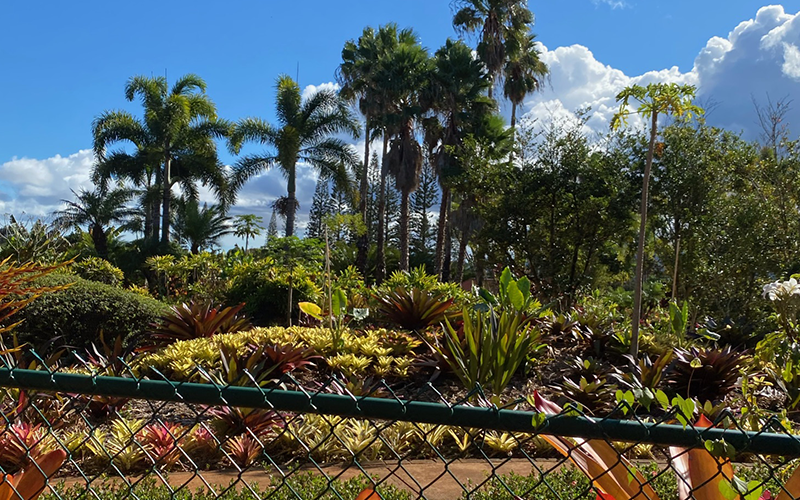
{"x":65,"y":62}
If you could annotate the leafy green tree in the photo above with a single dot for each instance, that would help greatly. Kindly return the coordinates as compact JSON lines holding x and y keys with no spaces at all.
{"x":272,"y":228}
{"x":306,"y":133}
{"x":559,"y":213}
{"x":319,"y":209}
{"x":200,"y":228}
{"x":174,"y":142}
{"x":497,"y":22}
{"x":97,"y":210}
{"x":247,"y":226}
{"x":655,"y":99}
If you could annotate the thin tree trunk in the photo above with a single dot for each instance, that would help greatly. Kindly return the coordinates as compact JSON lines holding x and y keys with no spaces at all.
{"x":513,"y":118}
{"x":380,"y":265}
{"x":291,"y":188}
{"x":637,"y":291}
{"x":363,"y":241}
{"x":677,"y":257}
{"x":167,"y":198}
{"x":441,"y":230}
{"x":404,"y":220}
{"x":156,"y":216}
{"x":448,"y":247}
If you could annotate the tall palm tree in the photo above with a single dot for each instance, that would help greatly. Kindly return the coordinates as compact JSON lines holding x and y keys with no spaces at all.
{"x":356,"y":75}
{"x":456,"y":92}
{"x":497,"y":21}
{"x":405,"y":71}
{"x":174,"y":143}
{"x":524,"y":71}
{"x":305,"y":134}
{"x":199,"y":228}
{"x":98,"y":210}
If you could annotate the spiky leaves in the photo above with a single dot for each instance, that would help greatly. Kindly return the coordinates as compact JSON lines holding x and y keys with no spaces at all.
{"x":305,"y":135}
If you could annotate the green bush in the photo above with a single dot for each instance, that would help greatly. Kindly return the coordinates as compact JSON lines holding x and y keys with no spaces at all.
{"x":264,"y":288}
{"x":78,"y":314}
{"x":100,"y":270}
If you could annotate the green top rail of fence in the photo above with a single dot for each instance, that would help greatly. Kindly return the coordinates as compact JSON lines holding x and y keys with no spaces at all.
{"x":565,"y":425}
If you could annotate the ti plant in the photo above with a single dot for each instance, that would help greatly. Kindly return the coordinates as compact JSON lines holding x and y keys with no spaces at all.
{"x":700,"y":475}
{"x":31,"y":481}
{"x":512,"y":295}
{"x":196,"y":320}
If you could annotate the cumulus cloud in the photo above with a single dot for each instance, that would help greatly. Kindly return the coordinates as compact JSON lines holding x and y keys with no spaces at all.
{"x":36,"y":187}
{"x":759,"y":57}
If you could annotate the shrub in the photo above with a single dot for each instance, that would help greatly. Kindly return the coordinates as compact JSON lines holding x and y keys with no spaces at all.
{"x":78,"y":314}
{"x":264,"y":288}
{"x":100,"y":270}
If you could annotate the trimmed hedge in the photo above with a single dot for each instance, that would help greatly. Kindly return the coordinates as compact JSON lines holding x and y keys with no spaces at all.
{"x":78,"y":314}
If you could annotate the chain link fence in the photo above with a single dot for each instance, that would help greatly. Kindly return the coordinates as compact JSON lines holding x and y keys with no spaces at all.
{"x":110,"y":430}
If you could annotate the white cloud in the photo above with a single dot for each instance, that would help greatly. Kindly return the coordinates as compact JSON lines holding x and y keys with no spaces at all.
{"x":614,"y":4}
{"x":759,"y":57}
{"x":310,"y":89}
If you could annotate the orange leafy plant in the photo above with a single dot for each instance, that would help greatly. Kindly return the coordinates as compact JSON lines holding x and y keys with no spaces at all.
{"x":700,"y":475}
{"x":18,"y":288}
{"x":30,"y":482}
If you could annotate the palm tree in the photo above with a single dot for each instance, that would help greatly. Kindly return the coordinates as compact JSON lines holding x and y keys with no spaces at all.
{"x":174,"y":143}
{"x":305,"y":135}
{"x":97,"y":209}
{"x":356,"y":75}
{"x":247,"y":226}
{"x":199,"y":228}
{"x":406,"y":70}
{"x":498,"y":21}
{"x":524,"y":71}
{"x":456,"y":93}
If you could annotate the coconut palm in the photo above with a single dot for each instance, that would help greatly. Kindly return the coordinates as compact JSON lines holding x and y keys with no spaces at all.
{"x":497,"y":21}
{"x":98,"y":210}
{"x":524,"y":71}
{"x":174,"y":143}
{"x":199,"y":228}
{"x":305,"y":134}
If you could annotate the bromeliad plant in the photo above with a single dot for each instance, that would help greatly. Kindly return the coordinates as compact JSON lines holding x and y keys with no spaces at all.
{"x":196,"y":320}
{"x":414,"y":310}
{"x":705,"y":374}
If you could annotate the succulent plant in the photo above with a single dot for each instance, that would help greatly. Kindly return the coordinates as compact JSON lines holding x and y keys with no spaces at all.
{"x":414,"y":310}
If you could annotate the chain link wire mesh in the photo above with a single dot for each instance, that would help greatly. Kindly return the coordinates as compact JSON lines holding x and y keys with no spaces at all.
{"x":127,"y":432}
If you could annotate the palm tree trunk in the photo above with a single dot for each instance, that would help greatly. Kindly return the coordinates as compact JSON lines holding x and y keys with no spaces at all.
{"x":513,"y":118}
{"x":291,"y":202}
{"x":380,"y":265}
{"x":404,"y":221}
{"x":167,"y":198}
{"x":637,"y":291}
{"x":100,"y":241}
{"x":363,"y":241}
{"x":441,"y":231}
